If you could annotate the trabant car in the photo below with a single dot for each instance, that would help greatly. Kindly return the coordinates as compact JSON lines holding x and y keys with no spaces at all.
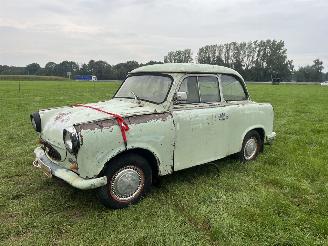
{"x":163,"y":118}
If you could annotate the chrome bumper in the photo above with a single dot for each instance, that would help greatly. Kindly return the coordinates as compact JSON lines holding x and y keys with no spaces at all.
{"x":270,"y":138}
{"x":50,"y":168}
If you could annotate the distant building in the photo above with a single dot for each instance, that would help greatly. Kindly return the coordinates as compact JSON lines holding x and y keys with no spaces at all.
{"x":85,"y":77}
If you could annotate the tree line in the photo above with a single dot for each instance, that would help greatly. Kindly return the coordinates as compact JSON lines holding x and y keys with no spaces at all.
{"x":101,"y":69}
{"x":260,"y":60}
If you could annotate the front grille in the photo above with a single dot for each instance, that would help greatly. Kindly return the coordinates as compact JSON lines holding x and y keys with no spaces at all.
{"x":52,"y":153}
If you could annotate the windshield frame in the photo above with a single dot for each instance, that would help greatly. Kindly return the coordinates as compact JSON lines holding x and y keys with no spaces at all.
{"x":148,"y":73}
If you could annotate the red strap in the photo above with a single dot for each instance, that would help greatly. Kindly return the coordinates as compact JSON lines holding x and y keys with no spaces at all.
{"x":119,"y":119}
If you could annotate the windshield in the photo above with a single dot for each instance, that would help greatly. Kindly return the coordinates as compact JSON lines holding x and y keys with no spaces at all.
{"x":152,"y":88}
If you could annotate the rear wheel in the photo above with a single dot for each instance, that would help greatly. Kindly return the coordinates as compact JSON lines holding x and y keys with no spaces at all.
{"x":252,"y":145}
{"x":129,"y":178}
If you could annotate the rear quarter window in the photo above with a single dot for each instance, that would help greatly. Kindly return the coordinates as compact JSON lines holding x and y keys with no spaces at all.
{"x":232,"y":89}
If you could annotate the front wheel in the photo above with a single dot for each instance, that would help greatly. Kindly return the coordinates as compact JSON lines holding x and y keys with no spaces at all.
{"x":252,"y":145}
{"x":129,"y":178}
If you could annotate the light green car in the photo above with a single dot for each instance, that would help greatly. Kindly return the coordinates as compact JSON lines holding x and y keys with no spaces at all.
{"x":164,"y":118}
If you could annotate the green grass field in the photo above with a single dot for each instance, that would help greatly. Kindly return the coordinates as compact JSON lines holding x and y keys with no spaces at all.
{"x":280,"y":199}
{"x":31,"y":78}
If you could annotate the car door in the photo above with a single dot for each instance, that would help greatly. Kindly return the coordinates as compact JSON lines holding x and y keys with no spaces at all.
{"x":200,"y":122}
{"x":241,"y":111}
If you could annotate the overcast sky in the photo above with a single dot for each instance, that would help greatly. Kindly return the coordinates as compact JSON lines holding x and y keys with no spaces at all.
{"x":117,"y":31}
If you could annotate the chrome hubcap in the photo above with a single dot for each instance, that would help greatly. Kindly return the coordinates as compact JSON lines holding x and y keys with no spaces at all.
{"x":127,"y":183}
{"x":250,"y":148}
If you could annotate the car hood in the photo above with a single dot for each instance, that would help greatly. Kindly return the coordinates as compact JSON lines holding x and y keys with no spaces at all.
{"x":55,"y":120}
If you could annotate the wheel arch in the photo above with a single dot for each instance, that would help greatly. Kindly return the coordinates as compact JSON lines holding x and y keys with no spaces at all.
{"x":261,"y":132}
{"x":150,"y":156}
{"x":259,"y":129}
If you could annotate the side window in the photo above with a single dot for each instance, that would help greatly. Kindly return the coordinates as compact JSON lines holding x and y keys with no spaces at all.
{"x":190,"y":86}
{"x":232,"y":89}
{"x":208,"y":89}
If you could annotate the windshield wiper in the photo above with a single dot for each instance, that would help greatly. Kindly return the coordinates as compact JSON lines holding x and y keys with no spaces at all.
{"x":136,"y":97}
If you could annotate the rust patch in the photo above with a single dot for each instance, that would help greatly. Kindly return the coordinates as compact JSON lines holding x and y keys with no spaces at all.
{"x":93,"y":125}
{"x":138,"y":119}
{"x":130,"y":120}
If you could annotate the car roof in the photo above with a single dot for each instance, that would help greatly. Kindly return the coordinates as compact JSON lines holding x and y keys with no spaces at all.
{"x":185,"y":68}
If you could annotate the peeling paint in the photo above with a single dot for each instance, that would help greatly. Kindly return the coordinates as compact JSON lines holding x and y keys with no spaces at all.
{"x":93,"y":125}
{"x":131,"y":120}
{"x":62,"y":117}
{"x":138,"y":119}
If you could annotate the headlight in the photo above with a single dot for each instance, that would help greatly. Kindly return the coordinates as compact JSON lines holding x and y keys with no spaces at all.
{"x":71,"y":139}
{"x":36,"y":121}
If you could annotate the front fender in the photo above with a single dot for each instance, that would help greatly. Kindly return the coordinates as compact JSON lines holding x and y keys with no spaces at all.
{"x":102,"y":141}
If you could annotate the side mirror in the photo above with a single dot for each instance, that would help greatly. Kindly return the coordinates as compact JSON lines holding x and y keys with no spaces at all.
{"x":181,"y":96}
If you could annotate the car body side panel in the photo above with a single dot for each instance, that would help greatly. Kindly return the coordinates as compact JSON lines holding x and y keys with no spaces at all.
{"x":103,"y":141}
{"x":246,"y":116}
{"x":212,"y":133}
